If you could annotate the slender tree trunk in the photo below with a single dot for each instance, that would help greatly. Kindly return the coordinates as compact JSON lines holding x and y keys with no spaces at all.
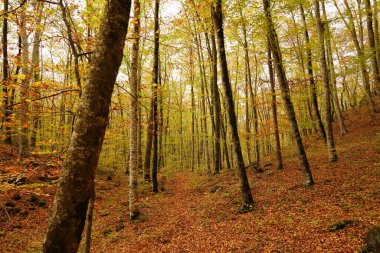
{"x":372,"y":45}
{"x":376,"y":33}
{"x":359,"y":49}
{"x":216,"y":103}
{"x":24,"y":88}
{"x":72,"y":44}
{"x":333,"y":157}
{"x":148,"y":147}
{"x":89,"y":215}
{"x":242,"y":174}
{"x":155,"y":93}
{"x":313,"y":88}
{"x":284,"y":86}
{"x":248,"y":85}
{"x":133,"y":143}
{"x":331,"y":68}
{"x":280,"y":165}
{"x":36,"y":74}
{"x":6,"y":90}
{"x":77,"y":177}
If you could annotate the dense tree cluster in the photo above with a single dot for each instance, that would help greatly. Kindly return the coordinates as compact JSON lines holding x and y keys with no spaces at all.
{"x":199,"y":85}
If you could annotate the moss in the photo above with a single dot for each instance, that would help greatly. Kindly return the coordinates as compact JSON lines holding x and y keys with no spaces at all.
{"x":16,"y":197}
{"x":34,"y":199}
{"x":216,"y":188}
{"x":10,"y":204}
{"x":372,"y":240}
{"x":340,"y":225}
{"x":41,"y":203}
{"x":119,"y":226}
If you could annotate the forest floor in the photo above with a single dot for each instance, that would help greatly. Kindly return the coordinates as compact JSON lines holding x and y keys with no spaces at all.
{"x":197,"y":212}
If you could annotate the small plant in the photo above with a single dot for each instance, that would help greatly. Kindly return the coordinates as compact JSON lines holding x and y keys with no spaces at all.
{"x":340,"y":225}
{"x":41,"y":203}
{"x":33,"y":199}
{"x":10,"y":204}
{"x":16,"y":197}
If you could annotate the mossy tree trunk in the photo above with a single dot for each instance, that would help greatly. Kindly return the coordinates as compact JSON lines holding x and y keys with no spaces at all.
{"x":77,"y":177}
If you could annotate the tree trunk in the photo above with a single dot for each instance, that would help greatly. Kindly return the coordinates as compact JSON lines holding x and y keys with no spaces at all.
{"x":24,"y":88}
{"x":331,"y":68}
{"x":360,"y":53}
{"x":155,"y":93}
{"x":134,"y":128}
{"x":313,"y":88}
{"x":216,"y":103}
{"x":280,"y":165}
{"x":333,"y":157}
{"x":6,"y":90}
{"x":284,"y":86}
{"x":242,"y":174}
{"x":78,"y":172}
{"x":372,"y":45}
{"x":36,"y":74}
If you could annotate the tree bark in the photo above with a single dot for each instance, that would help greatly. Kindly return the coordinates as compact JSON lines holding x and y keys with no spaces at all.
{"x":284,"y":86}
{"x":331,"y":68}
{"x":280,"y":164}
{"x":313,"y":88}
{"x":242,"y":174}
{"x":6,"y":90}
{"x":78,"y":172}
{"x":333,"y":157}
{"x":360,"y":53}
{"x":36,"y":74}
{"x":24,"y":88}
{"x":372,"y":45}
{"x":155,"y":94}
{"x":134,"y":111}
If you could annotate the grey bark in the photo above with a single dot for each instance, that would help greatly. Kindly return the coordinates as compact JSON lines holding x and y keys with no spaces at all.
{"x":333,"y":157}
{"x":242,"y":174}
{"x":285,"y":93}
{"x":77,"y":177}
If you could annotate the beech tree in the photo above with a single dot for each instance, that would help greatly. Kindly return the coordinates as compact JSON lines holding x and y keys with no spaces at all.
{"x":77,"y":177}
{"x":283,"y":82}
{"x":326,"y":83}
{"x":242,"y":174}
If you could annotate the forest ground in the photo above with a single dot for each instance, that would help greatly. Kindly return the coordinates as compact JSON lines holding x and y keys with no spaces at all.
{"x":197,"y":212}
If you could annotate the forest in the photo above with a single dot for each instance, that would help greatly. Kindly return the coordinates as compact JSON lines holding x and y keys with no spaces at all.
{"x":190,"y":126}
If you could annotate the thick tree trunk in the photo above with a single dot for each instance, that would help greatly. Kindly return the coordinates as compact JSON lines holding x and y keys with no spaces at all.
{"x":242,"y":174}
{"x":134,"y":111}
{"x":77,"y":176}
{"x":333,"y":157}
{"x":284,"y":86}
